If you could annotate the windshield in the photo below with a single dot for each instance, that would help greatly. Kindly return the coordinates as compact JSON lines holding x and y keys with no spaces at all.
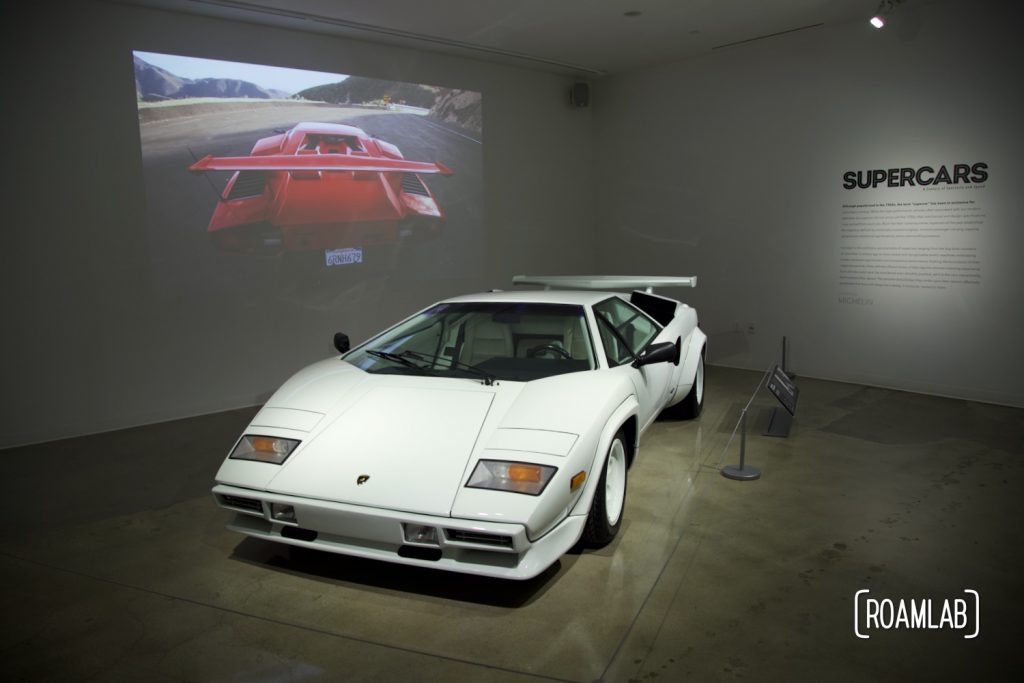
{"x":505,"y":341}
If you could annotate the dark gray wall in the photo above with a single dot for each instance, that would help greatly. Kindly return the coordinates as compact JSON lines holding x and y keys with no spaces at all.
{"x":728,"y":167}
{"x":89,"y":345}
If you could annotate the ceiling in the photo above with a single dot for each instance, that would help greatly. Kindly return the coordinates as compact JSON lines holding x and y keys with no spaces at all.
{"x":587,"y":38}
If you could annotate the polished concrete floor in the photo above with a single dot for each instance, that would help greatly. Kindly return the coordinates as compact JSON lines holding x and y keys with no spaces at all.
{"x":116,"y":566}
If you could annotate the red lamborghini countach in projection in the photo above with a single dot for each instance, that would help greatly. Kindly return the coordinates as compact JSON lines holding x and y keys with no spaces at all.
{"x":321,"y":186}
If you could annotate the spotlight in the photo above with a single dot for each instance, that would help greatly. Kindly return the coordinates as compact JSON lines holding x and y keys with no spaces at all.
{"x":885,"y":10}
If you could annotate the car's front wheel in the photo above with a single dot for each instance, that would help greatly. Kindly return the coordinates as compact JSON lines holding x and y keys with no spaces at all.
{"x":610,"y":498}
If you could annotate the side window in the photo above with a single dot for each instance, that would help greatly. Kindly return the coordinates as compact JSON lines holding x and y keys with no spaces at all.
{"x":633,"y":331}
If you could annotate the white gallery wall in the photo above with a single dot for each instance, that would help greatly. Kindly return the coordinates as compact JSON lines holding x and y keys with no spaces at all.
{"x":91,"y":345}
{"x":731,"y":167}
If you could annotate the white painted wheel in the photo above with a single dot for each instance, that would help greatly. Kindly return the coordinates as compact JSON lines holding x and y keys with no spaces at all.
{"x":615,"y":483}
{"x":698,"y":381}
{"x":605,"y":516}
{"x":691,"y":406}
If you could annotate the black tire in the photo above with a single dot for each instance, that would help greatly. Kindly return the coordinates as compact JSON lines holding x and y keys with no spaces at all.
{"x":609,"y":505}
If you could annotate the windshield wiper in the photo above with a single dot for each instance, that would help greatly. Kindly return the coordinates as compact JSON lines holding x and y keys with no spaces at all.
{"x":397,"y":358}
{"x":472,"y":369}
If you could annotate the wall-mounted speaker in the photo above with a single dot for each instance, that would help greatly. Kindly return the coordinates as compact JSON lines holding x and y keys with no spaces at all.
{"x":579,"y":95}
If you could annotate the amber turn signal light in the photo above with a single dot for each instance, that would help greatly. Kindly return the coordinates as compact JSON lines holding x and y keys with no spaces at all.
{"x":262,"y":444}
{"x":519,"y":472}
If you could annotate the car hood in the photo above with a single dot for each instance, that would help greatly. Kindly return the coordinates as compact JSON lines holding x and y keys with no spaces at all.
{"x":320,"y":387}
{"x":386,"y":441}
{"x":409,"y":442}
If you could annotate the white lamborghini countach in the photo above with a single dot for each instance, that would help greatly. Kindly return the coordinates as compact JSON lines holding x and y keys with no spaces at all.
{"x":486,"y":434}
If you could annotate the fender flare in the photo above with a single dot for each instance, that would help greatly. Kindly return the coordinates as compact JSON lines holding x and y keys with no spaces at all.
{"x":627,"y":409}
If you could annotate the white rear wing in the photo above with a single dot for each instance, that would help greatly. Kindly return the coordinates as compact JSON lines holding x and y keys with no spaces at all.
{"x":605,"y":282}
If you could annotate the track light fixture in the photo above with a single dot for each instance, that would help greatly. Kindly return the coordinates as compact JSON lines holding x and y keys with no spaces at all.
{"x":885,"y":10}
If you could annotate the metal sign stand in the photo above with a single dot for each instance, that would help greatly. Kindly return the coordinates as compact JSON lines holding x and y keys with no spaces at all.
{"x":785,"y":360}
{"x":779,"y":423}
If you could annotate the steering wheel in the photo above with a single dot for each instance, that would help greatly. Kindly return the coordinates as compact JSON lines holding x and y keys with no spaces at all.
{"x":545,"y":348}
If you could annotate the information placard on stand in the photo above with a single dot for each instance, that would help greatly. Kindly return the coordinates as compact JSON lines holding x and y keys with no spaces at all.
{"x":787,"y":393}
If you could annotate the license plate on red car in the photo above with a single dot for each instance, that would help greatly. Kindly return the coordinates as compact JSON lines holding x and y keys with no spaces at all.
{"x":343,"y":257}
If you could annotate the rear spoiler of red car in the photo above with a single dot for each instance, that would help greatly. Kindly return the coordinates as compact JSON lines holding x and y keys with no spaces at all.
{"x":315,"y":162}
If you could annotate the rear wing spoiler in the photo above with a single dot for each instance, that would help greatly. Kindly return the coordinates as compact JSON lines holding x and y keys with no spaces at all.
{"x":315,"y":162}
{"x":604,"y":282}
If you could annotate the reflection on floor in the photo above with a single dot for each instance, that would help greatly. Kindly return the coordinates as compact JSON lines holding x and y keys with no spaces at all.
{"x":116,"y":565}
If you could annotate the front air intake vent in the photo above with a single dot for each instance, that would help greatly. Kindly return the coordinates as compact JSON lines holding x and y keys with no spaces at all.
{"x":412,"y":184}
{"x":248,"y":184}
{"x":479,"y":538}
{"x":245,"y":504}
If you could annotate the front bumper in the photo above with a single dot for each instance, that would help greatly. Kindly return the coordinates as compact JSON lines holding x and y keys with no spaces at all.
{"x":493,"y":549}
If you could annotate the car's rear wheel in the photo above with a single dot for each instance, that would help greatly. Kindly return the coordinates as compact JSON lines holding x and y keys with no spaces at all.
{"x":606,"y":511}
{"x":691,"y":406}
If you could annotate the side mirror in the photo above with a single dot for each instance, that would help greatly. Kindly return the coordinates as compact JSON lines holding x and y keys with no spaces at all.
{"x":664,"y":352}
{"x":341,"y":342}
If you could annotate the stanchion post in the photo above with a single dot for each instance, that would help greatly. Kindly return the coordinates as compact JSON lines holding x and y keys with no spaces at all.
{"x":742,"y":473}
{"x":743,"y":438}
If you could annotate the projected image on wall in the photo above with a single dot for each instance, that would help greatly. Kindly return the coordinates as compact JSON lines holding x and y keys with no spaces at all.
{"x":253,"y":169}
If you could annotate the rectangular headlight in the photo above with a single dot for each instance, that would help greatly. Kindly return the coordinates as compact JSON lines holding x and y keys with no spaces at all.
{"x":270,"y":449}
{"x":517,"y":477}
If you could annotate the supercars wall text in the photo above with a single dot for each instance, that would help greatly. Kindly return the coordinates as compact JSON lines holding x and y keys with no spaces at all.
{"x":925,"y":175}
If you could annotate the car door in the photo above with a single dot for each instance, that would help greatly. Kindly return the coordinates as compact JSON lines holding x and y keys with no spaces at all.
{"x":625,"y":331}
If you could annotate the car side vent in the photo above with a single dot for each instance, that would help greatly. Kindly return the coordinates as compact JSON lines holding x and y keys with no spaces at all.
{"x":412,"y":184}
{"x":247,"y":504}
{"x":248,"y":184}
{"x":462,"y":536}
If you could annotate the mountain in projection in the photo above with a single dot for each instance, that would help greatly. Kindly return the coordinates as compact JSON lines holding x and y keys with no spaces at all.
{"x":153,"y":83}
{"x":460,"y":107}
{"x":359,"y":90}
